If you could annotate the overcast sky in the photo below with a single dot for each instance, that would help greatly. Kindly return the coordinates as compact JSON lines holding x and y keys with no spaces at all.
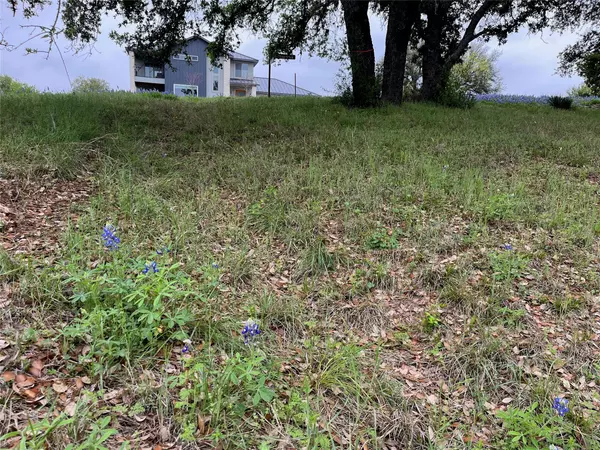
{"x":527,"y":63}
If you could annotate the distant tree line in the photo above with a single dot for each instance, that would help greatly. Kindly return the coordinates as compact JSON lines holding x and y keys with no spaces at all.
{"x":440,"y":31}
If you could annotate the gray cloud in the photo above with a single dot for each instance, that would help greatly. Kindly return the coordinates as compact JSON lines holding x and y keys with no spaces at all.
{"x":527,"y":63}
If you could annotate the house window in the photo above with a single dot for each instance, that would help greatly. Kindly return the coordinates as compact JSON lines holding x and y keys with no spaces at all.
{"x":183,"y":57}
{"x":239,"y":93}
{"x":185,"y":90}
{"x":241,"y":70}
{"x":215,"y":72}
{"x":153,"y":72}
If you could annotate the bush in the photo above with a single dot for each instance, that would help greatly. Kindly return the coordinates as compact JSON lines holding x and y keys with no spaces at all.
{"x":156,"y":94}
{"x":583,"y":90}
{"x":9,"y":85}
{"x":456,"y":95}
{"x":559,"y":102}
{"x":90,"y":85}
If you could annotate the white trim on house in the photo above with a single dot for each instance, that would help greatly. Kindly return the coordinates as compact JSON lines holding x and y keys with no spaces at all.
{"x":185,"y":86}
{"x":183,"y":57}
{"x":149,"y":80}
{"x":132,"y":71}
{"x":226,"y":78}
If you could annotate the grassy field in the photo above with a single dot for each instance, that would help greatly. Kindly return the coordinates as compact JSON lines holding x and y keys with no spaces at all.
{"x":422,"y":278}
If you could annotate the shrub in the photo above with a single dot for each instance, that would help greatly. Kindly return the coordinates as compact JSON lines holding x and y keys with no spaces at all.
{"x":559,"y":102}
{"x":9,"y":85}
{"x":157,"y":94}
{"x":82,"y":85}
{"x":456,"y":95}
{"x":583,"y":90}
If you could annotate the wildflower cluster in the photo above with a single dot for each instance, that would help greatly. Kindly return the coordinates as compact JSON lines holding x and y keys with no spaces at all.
{"x":507,"y":247}
{"x":111,"y":240}
{"x":153,"y":267}
{"x":560,"y":406}
{"x":524,"y":99}
{"x":250,"y":331}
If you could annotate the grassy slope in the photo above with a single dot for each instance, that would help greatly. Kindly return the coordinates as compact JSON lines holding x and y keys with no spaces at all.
{"x":366,"y":243}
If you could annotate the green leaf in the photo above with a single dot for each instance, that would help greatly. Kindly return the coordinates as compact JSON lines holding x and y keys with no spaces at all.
{"x":266,"y":394}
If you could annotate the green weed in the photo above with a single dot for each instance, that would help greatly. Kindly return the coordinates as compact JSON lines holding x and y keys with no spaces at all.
{"x":537,"y":429}
{"x":507,"y":265}
{"x":383,"y":239}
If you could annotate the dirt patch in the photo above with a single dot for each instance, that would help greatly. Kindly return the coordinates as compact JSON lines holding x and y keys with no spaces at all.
{"x":33,"y":213}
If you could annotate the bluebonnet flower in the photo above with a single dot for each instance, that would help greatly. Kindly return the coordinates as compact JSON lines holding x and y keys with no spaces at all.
{"x":524,"y":99}
{"x":250,"y":331}
{"x":186,"y":346}
{"x":111,"y":241}
{"x":152,"y":266}
{"x":507,"y":247}
{"x":163,"y":250}
{"x":560,"y":406}
{"x":215,"y":265}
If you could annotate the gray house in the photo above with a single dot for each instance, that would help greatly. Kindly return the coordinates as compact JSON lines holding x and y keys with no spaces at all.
{"x":192,"y":73}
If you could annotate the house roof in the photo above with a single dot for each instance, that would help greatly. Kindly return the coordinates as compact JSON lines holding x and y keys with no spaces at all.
{"x":241,"y":57}
{"x":241,"y":82}
{"x":279,"y":87}
{"x":232,"y":55}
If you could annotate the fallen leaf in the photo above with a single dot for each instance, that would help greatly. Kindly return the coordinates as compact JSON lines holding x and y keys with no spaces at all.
{"x":507,"y":400}
{"x":37,"y":363}
{"x":3,"y":344}
{"x":112,"y":395}
{"x":203,"y":422}
{"x":78,"y":383}
{"x":24,"y":382}
{"x":9,"y":376}
{"x":165,"y":434}
{"x":36,"y":368}
{"x":33,"y":395}
{"x":70,"y":408}
{"x":59,"y":387}
{"x":86,"y":380}
{"x":139,"y":419}
{"x":489,"y":406}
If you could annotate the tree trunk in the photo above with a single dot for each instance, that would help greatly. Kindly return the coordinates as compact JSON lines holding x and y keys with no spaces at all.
{"x":434,"y":72}
{"x":401,"y":18}
{"x":362,"y":55}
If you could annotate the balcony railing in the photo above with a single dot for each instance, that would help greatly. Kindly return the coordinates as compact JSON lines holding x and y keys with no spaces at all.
{"x":150,"y":72}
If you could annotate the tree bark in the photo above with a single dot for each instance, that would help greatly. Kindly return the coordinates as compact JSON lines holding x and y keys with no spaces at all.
{"x":401,"y":18}
{"x":436,"y":67}
{"x":434,"y":74}
{"x":362,"y":55}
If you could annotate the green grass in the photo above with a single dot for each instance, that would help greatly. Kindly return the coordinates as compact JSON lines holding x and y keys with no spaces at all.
{"x":337,"y":231}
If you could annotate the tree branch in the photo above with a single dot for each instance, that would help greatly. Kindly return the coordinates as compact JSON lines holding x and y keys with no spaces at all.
{"x":470,"y":34}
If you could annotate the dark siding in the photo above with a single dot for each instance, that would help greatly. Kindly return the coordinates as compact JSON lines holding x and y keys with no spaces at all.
{"x":193,"y":72}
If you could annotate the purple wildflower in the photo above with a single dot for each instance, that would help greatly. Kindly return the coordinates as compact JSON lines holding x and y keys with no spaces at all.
{"x":560,"y":406}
